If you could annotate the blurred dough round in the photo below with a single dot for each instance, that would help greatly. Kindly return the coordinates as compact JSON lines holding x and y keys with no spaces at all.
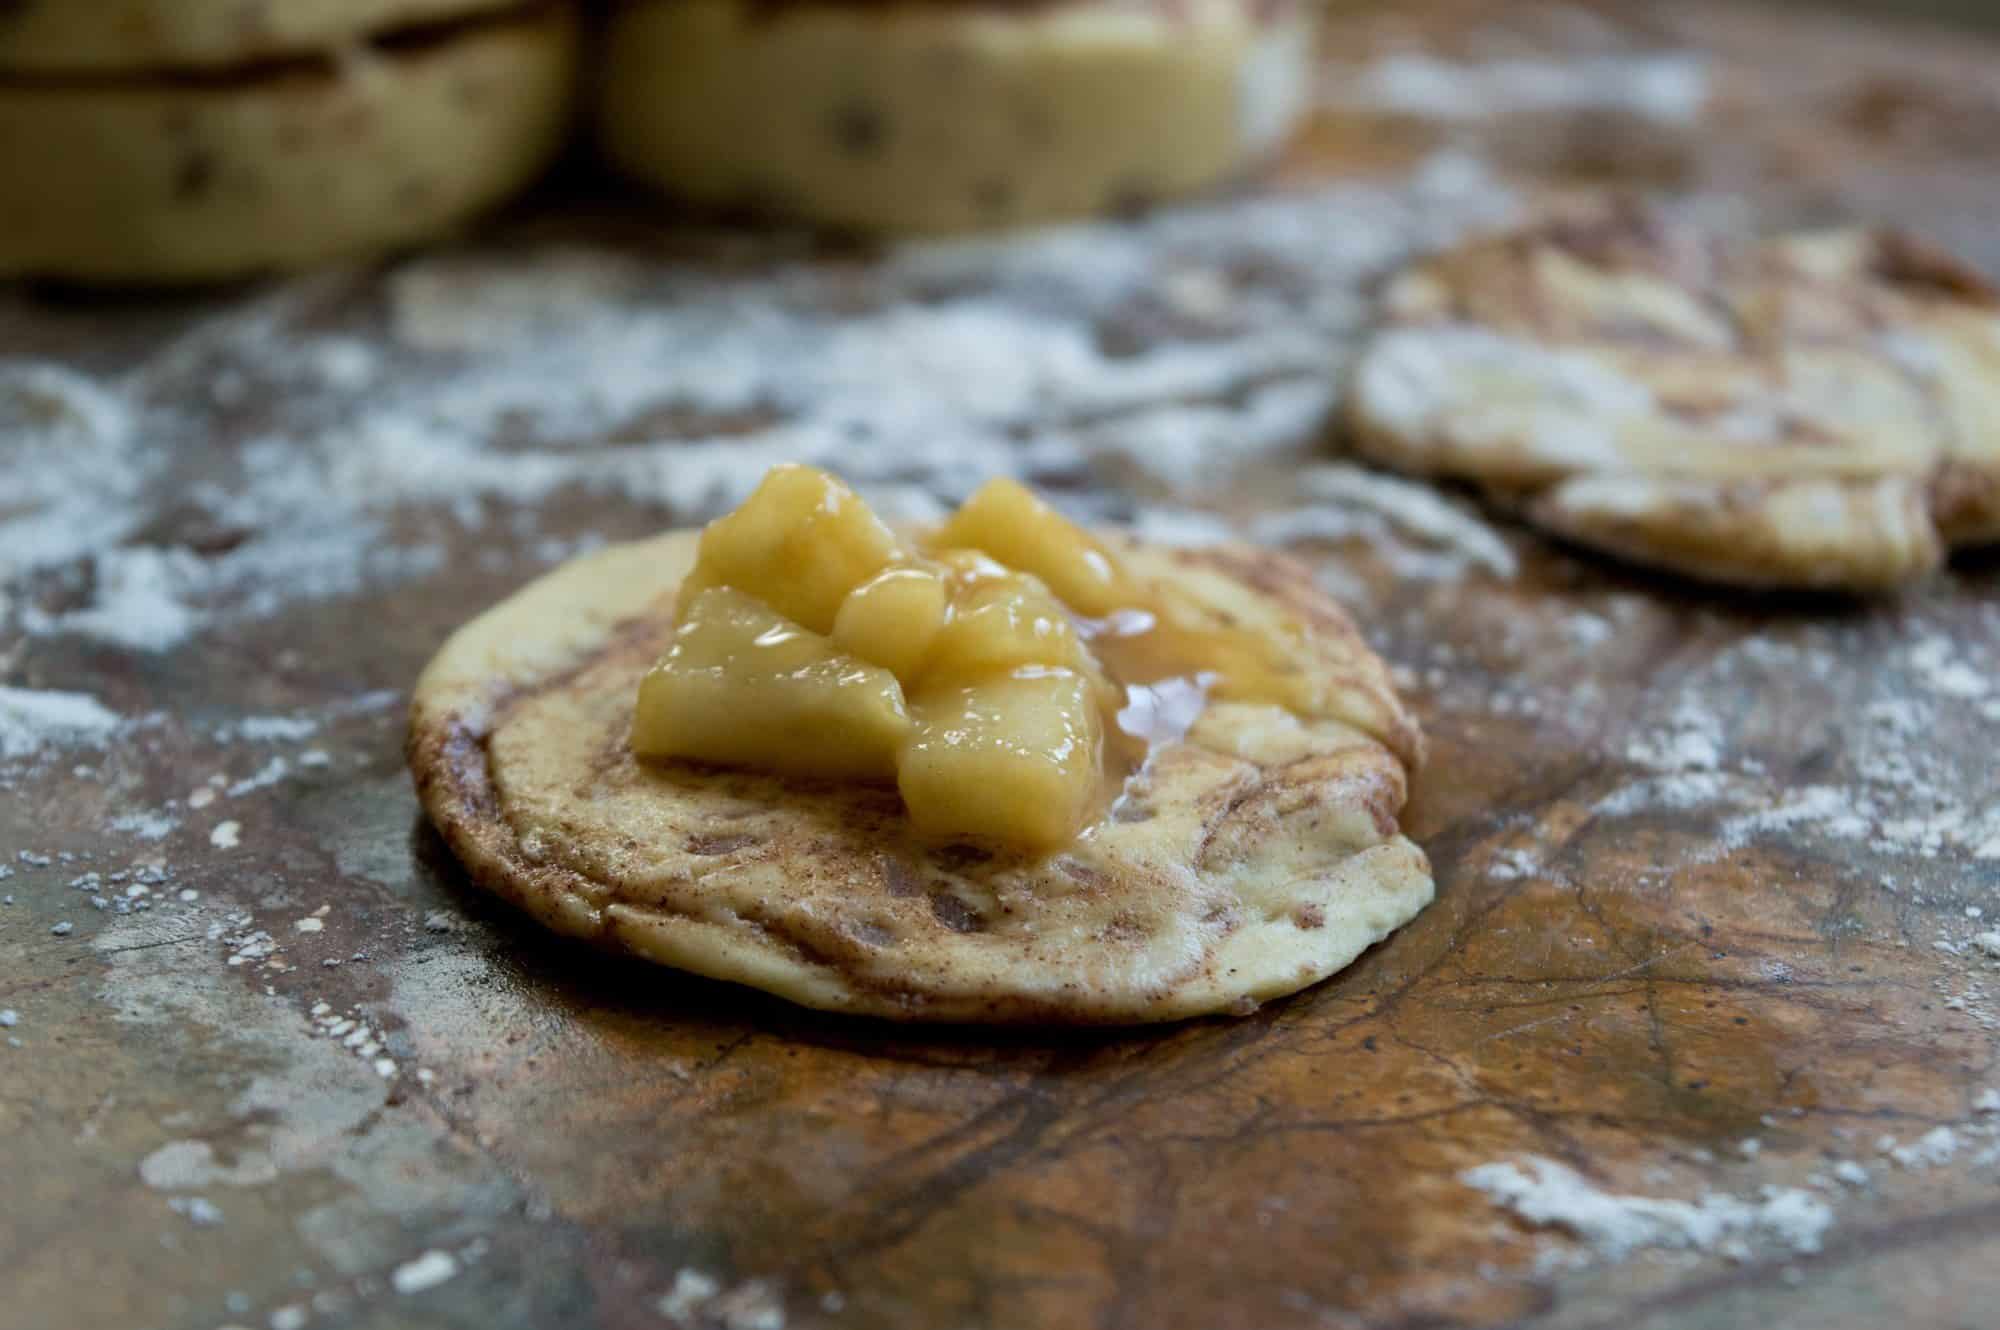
{"x":99,"y":36}
{"x":1812,"y":411}
{"x":1255,"y":857}
{"x":924,"y":117}
{"x":171,"y":179}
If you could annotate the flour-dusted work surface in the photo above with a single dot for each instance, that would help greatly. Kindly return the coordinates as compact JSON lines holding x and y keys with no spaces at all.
{"x":1700,"y":1031}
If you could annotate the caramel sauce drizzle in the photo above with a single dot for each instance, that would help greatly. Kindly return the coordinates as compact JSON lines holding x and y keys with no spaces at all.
{"x":1168,"y":660}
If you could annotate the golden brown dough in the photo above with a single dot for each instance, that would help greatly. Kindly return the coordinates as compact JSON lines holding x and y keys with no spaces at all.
{"x":1812,"y":411}
{"x":922,"y":117}
{"x":1254,"y":858}
{"x":171,"y":180}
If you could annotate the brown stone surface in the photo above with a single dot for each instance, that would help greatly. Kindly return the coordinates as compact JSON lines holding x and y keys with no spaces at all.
{"x":1695,"y":853}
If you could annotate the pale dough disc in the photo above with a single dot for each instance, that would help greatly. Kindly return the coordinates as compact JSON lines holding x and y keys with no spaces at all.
{"x":924,"y":117}
{"x":1256,"y":857}
{"x":1812,"y":411}
{"x":101,"y":36}
{"x":175,"y":180}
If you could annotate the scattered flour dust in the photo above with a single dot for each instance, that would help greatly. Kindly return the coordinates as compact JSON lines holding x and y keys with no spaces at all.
{"x":527,"y":372}
{"x":698,"y":1298}
{"x":269,"y":774}
{"x":33,"y":721}
{"x":145,"y":824}
{"x":293,"y":1112}
{"x":425,"y":1272}
{"x":139,"y":601}
{"x":1934,"y":661}
{"x":1891,"y":785}
{"x":691,"y":1292}
{"x":351,"y":1029}
{"x":73,"y":471}
{"x":1690,"y":742}
{"x":269,"y":729}
{"x":1545,"y":1193}
{"x":1935,"y":1147}
{"x":1349,"y":501}
{"x":1671,"y":87}
{"x":185,"y":1165}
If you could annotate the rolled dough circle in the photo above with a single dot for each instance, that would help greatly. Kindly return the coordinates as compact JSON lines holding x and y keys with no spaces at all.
{"x":937,"y":117}
{"x":182,"y":179}
{"x":103,"y":36}
{"x":1251,"y":858}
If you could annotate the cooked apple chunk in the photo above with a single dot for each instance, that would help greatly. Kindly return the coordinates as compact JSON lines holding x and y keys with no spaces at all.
{"x":1015,"y":759}
{"x":800,"y":544}
{"x":999,"y":622}
{"x":743,"y":686}
{"x":806,"y":622}
{"x":1009,"y":522}
{"x":894,"y":618}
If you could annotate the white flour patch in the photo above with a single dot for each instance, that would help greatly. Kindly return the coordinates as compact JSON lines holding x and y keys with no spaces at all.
{"x":1351,"y":501}
{"x":1691,"y":741}
{"x":426,"y":1272}
{"x":1182,"y":527}
{"x":1670,"y":87}
{"x":448,"y":306}
{"x":1682,"y":790}
{"x":150,"y":599}
{"x":1586,"y":630}
{"x":1827,"y":809}
{"x":351,"y":1029}
{"x":1935,"y":1147}
{"x":1936,"y":663}
{"x":1513,"y":863}
{"x":698,"y":1298}
{"x":691,"y":1292}
{"x":269,"y":774}
{"x":33,"y":721}
{"x":73,"y":472}
{"x":187,"y":1165}
{"x":198,"y":1210}
{"x":145,"y":825}
{"x":268,"y":729}
{"x":1176,"y":446}
{"x":140,"y":601}
{"x":311,"y":1109}
{"x":1889,"y":785}
{"x":1546,"y":1194}
{"x":528,"y":373}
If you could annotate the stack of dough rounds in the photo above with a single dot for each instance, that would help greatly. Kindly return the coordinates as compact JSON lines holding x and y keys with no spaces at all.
{"x":163,"y":141}
{"x":931,"y":115}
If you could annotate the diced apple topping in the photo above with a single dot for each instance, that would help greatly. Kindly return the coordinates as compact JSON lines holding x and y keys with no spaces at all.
{"x":744,"y":686}
{"x":1013,"y":758}
{"x":998,"y":623}
{"x":1009,"y":522}
{"x":800,"y":544}
{"x":807,"y":623}
{"x":894,"y":618}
